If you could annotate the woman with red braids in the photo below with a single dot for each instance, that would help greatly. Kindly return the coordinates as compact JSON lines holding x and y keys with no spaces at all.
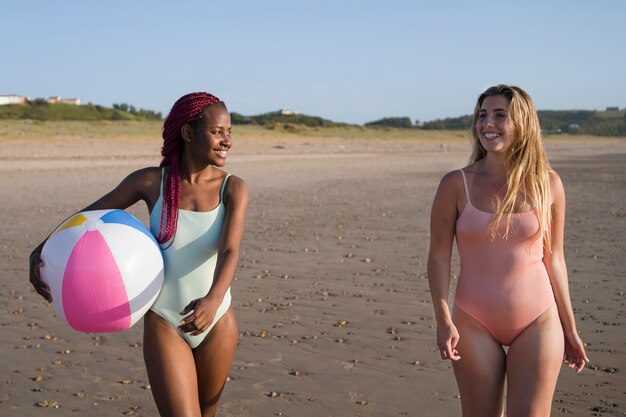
{"x":197,"y":214}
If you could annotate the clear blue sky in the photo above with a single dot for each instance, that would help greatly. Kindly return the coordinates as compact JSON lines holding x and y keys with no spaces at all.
{"x":350,"y":61}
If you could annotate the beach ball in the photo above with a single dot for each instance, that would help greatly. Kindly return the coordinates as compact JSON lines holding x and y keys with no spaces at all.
{"x":104,"y":269}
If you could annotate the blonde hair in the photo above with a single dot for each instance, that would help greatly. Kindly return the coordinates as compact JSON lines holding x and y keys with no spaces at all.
{"x":526,"y":163}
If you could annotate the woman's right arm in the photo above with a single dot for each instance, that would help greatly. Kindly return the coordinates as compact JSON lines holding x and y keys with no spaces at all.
{"x":442,"y":225}
{"x":139,"y":185}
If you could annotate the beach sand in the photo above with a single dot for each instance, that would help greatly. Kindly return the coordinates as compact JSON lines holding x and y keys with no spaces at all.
{"x":331,"y":295}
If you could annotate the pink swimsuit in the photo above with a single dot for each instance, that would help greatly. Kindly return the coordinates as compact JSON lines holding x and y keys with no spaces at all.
{"x":503,"y":283}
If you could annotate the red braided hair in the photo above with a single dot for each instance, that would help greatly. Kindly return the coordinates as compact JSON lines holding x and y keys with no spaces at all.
{"x":186,"y":110}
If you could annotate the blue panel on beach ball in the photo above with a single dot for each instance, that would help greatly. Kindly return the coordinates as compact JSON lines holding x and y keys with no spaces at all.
{"x":121,"y":217}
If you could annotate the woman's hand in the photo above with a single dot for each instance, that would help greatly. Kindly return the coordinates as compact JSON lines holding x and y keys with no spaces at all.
{"x":35,"y":263}
{"x":575,"y":356}
{"x":202,"y":311}
{"x":447,"y":339}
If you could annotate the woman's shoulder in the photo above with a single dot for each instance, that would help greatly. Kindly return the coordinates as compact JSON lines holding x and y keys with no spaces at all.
{"x":234,"y":179}
{"x":235,"y":183}
{"x":144,"y":182}
{"x":557,"y":191}
{"x":235,"y":188}
{"x":451,"y":187}
{"x":146,"y":176}
{"x":454,"y":179}
{"x":555,"y":178}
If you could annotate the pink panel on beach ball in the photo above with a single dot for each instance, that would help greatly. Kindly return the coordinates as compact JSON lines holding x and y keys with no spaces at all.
{"x":100,"y":303}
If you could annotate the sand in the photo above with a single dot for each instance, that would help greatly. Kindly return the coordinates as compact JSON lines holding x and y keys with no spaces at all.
{"x":331,"y":295}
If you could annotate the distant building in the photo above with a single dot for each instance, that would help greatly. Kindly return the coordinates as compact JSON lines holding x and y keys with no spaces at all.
{"x":57,"y":99}
{"x":287,"y":111}
{"x":13,"y":99}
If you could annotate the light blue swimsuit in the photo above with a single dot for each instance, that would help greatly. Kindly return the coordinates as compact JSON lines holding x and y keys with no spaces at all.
{"x":189,"y":262}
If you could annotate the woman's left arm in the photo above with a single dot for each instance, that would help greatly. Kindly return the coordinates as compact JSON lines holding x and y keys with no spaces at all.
{"x":204,"y":309}
{"x":554,"y":259}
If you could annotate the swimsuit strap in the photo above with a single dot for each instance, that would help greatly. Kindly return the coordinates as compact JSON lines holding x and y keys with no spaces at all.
{"x":466,"y":188}
{"x":223,"y":186}
{"x":162,"y":176}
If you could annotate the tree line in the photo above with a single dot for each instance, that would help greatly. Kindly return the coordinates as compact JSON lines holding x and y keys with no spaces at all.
{"x":600,"y":123}
{"x":146,"y":114}
{"x":272,"y":119}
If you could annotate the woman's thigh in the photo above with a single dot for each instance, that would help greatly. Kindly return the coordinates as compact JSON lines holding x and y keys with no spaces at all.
{"x":533,"y":365}
{"x":213,"y":359}
{"x":480,"y":371}
{"x":171,"y":368}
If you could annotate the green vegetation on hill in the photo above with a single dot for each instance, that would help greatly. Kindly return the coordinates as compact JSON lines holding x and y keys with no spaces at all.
{"x":146,"y":114}
{"x":275,"y":119}
{"x":601,"y":123}
{"x":449,"y":123}
{"x":41,"y":110}
{"x":400,"y":122}
{"x":577,"y":122}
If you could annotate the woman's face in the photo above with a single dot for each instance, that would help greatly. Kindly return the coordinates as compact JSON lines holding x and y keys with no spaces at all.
{"x":210,"y":138}
{"x":494,"y":126}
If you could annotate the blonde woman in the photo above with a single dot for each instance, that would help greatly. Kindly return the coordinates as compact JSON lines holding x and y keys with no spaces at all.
{"x":506,"y":210}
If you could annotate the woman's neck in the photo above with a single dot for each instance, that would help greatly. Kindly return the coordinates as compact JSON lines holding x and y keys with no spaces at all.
{"x":493,"y":165}
{"x":194,"y":174}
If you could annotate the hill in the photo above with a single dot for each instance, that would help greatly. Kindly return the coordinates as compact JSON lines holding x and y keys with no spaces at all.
{"x":577,"y":122}
{"x":274,"y":119}
{"x":41,"y":110}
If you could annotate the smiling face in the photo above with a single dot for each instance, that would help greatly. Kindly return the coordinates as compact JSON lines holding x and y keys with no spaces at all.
{"x":494,"y":128}
{"x":208,"y":140}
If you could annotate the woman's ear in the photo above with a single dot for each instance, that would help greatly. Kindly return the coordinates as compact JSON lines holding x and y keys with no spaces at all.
{"x":185,"y":132}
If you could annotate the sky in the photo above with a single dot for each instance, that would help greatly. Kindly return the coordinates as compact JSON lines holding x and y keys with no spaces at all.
{"x":348,"y":61}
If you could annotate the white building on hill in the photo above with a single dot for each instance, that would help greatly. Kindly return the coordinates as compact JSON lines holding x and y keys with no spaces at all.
{"x":15,"y":99}
{"x":12,"y":99}
{"x":57,"y":99}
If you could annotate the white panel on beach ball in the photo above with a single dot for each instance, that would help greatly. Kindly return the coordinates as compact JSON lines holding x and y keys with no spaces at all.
{"x":104,"y":269}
